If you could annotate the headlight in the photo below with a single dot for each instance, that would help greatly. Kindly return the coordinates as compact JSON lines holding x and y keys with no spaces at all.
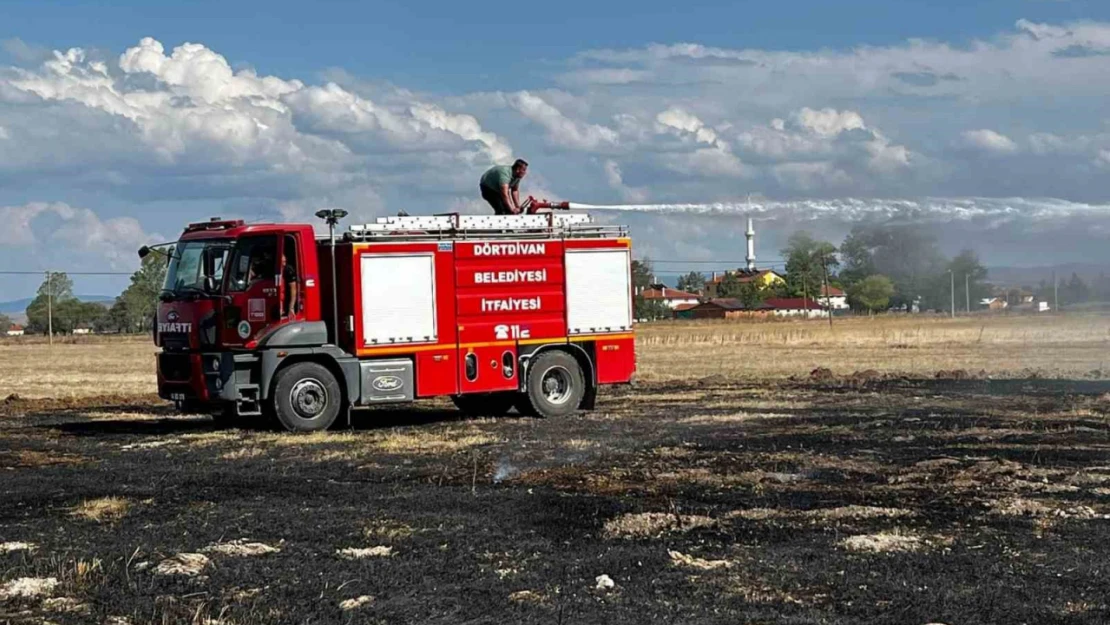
{"x":215,"y":364}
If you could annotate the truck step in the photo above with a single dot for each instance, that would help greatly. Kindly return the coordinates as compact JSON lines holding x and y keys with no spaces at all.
{"x":249,"y":404}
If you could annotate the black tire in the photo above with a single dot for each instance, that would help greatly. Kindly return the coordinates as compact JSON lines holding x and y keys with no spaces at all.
{"x":486,"y":404}
{"x":555,"y":386}
{"x":306,"y":398}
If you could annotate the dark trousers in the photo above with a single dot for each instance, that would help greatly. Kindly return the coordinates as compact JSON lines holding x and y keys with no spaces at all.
{"x":500,"y":207}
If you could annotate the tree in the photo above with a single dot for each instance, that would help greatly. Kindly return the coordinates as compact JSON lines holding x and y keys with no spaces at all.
{"x":966,"y":263}
{"x":871,"y":293}
{"x":117,"y":320}
{"x":644,"y":309}
{"x":751,"y":293}
{"x":729,"y":286}
{"x":1074,"y":291}
{"x":55,"y":289}
{"x":140,"y":299}
{"x":5,"y":322}
{"x":806,"y":262}
{"x":692,"y":282}
{"x":855,"y":252}
{"x":907,"y":255}
{"x":642,"y":275}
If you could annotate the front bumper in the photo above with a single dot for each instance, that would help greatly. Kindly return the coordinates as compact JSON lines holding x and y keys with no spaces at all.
{"x":208,"y":377}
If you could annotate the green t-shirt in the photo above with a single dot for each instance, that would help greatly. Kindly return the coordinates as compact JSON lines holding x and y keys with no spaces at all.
{"x":498,"y":175}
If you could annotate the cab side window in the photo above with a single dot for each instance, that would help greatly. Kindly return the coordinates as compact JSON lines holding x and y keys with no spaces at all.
{"x":255,"y":261}
{"x":290,"y":273}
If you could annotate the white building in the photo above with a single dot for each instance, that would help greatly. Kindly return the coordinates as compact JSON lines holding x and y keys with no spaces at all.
{"x":795,"y":307}
{"x":834,"y":298}
{"x":15,"y":330}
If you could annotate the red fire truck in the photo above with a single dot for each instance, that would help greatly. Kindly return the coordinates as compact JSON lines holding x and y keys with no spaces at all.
{"x":526,"y":311}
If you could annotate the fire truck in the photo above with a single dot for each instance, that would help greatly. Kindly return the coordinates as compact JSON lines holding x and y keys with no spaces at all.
{"x":532,"y":312}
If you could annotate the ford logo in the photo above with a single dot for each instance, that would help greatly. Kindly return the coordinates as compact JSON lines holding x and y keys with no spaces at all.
{"x":387,"y":383}
{"x":171,"y":316}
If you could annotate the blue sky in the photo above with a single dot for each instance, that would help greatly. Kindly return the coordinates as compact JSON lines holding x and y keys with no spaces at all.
{"x":986,"y":122}
{"x":441,"y":46}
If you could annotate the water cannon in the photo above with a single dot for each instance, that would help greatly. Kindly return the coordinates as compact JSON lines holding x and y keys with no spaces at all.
{"x":531,"y":206}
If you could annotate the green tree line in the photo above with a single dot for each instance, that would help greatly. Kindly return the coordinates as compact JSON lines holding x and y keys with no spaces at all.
{"x":879,"y":268}
{"x":133,"y":311}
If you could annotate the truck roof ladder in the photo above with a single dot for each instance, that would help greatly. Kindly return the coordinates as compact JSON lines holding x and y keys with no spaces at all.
{"x":461,"y":227}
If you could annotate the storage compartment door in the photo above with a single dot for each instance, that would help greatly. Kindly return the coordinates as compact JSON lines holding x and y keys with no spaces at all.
{"x":599,"y":291}
{"x":398,"y":299}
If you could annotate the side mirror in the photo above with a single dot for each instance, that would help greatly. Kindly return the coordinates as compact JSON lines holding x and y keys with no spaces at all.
{"x":210,"y":284}
{"x":144,"y":251}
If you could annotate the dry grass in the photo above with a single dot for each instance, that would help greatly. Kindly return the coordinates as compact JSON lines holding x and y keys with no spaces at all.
{"x":1066,"y":345}
{"x":649,"y":524}
{"x":104,"y":509}
{"x":94,"y":366}
{"x":1054,"y":345}
{"x":29,"y":458}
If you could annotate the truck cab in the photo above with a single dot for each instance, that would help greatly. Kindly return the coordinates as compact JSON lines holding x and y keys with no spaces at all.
{"x":227,"y":285}
{"x":495,"y":312}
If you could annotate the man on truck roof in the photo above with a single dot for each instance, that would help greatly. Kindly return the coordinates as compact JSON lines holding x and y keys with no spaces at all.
{"x":500,"y":187}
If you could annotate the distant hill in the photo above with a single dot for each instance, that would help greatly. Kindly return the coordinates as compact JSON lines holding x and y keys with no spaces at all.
{"x":19,"y":306}
{"x":1032,"y":276}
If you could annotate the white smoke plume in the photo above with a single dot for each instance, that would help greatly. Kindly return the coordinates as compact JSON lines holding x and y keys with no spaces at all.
{"x":926,"y":210}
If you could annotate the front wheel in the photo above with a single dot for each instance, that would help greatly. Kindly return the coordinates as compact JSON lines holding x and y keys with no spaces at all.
{"x":306,"y":397}
{"x":555,"y":385}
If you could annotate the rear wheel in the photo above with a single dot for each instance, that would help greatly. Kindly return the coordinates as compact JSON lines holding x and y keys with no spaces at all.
{"x":486,"y":404}
{"x":306,"y":397}
{"x":555,"y":386}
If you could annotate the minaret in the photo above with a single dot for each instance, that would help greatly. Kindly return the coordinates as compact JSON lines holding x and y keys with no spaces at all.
{"x":751,"y":245}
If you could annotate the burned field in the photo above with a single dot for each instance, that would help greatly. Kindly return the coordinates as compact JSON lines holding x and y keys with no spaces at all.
{"x":884,"y":500}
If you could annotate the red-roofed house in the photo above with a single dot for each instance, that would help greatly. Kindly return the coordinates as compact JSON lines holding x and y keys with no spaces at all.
{"x":673,"y":298}
{"x":837,"y":299}
{"x":15,"y":330}
{"x":795,"y":307}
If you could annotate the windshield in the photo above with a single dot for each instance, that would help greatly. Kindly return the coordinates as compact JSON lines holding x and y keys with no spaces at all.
{"x":194,"y":261}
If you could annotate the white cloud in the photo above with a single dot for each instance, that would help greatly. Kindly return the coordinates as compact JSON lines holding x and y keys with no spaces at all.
{"x":1103,"y":159}
{"x":60,"y":231}
{"x":175,"y":133}
{"x":829,"y":122}
{"x":677,"y":119}
{"x":465,"y":126}
{"x":561,"y":130}
{"x":990,"y":141}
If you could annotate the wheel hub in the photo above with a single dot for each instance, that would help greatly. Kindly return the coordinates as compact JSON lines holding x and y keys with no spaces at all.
{"x":557,"y":385}
{"x":308,"y":398}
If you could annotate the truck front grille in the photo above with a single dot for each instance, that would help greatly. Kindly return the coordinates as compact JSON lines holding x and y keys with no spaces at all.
{"x":175,"y":342}
{"x":175,"y":367}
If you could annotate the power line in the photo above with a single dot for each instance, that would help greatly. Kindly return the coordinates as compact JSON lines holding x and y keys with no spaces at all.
{"x":68,"y":273}
{"x":774,"y":261}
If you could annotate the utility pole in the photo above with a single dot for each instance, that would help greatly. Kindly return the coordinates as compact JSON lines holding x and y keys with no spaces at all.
{"x":1055,"y":293}
{"x":805,"y":293}
{"x":828,"y":297}
{"x":952,"y":279}
{"x":49,"y":307}
{"x":967,"y":294}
